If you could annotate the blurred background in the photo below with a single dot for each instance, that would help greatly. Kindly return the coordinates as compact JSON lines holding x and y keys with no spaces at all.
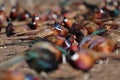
{"x":32,"y":5}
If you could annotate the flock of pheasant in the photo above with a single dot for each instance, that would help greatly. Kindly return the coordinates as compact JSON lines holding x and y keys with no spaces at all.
{"x":80,"y":34}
